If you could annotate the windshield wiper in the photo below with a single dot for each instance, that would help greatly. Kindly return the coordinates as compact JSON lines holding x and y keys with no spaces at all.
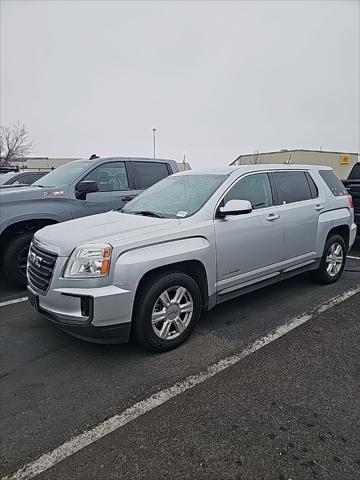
{"x":146,"y":213}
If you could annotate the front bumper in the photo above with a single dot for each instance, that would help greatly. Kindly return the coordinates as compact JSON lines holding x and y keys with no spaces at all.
{"x":101,"y":315}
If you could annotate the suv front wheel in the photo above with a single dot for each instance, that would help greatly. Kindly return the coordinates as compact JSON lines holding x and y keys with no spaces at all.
{"x":333,"y":260}
{"x":15,"y":258}
{"x":166,"y":311}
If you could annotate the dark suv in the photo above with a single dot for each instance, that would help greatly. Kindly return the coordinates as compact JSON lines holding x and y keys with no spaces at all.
{"x":14,"y":178}
{"x":76,"y":189}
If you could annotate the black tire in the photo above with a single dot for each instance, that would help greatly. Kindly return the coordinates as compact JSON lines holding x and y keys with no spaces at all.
{"x":14,"y":257}
{"x":145,"y":301}
{"x":321,"y":275}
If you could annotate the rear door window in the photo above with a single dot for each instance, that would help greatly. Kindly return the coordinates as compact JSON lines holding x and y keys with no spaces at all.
{"x":18,"y":180}
{"x":148,"y":173}
{"x":333,"y":182}
{"x":29,"y":178}
{"x":293,"y":186}
{"x":24,"y":179}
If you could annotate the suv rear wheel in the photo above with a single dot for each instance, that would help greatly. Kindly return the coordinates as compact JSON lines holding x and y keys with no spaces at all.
{"x":333,"y":260}
{"x":168,"y":307}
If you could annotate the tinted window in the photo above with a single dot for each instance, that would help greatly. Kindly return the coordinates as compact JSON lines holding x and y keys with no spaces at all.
{"x":255,"y":188}
{"x":28,"y":178}
{"x":333,"y":182}
{"x":355,"y":172}
{"x":293,"y":186}
{"x":19,"y":179}
{"x":110,"y":177}
{"x":148,"y":173}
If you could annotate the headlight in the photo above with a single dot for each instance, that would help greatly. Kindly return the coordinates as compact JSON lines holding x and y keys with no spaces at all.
{"x":89,"y":261}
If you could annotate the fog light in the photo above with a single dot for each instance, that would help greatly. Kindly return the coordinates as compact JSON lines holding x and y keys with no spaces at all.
{"x":86,"y":306}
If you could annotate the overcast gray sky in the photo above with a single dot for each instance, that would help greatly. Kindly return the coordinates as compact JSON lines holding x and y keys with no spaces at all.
{"x":216,"y":79}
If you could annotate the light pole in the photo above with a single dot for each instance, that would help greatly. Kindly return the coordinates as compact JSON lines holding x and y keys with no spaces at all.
{"x":154,"y":140}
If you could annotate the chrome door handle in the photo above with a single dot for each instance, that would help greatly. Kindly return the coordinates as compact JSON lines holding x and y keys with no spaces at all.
{"x":319,"y":206}
{"x":272,"y":216}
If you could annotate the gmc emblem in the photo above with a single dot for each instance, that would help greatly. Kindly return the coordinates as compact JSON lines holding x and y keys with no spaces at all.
{"x":35,"y":259}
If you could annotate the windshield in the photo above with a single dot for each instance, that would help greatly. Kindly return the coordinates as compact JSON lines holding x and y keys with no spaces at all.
{"x":4,"y":177}
{"x":176,"y":196}
{"x":62,"y":175}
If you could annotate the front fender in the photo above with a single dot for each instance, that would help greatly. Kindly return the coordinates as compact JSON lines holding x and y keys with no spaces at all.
{"x":132,"y":265}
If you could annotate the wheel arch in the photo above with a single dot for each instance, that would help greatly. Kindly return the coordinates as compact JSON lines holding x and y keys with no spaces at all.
{"x":194,"y":268}
{"x":343,"y":231}
{"x":24,"y":226}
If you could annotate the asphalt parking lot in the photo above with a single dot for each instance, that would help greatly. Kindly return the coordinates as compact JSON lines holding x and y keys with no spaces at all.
{"x":288,"y":410}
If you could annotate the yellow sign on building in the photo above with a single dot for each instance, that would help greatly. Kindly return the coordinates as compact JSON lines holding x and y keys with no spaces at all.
{"x":344,"y":159}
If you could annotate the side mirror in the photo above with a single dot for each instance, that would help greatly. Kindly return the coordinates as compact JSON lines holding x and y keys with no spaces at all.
{"x":235,"y":207}
{"x":85,"y":187}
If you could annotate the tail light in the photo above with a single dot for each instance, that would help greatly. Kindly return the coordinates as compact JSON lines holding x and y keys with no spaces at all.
{"x":351,"y":203}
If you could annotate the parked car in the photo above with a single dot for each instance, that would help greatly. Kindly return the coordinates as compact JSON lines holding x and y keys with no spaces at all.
{"x":20,"y":178}
{"x":76,"y":189}
{"x":352,"y":185}
{"x":189,"y":242}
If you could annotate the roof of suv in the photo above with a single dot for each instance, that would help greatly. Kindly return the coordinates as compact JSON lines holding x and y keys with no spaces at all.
{"x":249,"y":168}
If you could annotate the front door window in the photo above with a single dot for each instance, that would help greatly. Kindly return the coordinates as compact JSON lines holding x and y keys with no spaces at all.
{"x":254,"y":188}
{"x":110,"y":177}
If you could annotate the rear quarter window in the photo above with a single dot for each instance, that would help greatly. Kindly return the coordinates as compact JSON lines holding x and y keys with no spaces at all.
{"x":333,"y":182}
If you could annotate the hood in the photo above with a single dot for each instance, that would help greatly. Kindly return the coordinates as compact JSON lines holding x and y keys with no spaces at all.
{"x":17,"y":185}
{"x":12,"y":194}
{"x":112,"y":227}
{"x":8,"y":191}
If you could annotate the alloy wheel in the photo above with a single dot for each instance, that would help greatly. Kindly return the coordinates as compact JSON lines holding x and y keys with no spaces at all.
{"x":334,"y":259}
{"x":172,"y":312}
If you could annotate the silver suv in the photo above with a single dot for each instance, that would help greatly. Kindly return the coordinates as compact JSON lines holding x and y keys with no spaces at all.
{"x":189,"y":242}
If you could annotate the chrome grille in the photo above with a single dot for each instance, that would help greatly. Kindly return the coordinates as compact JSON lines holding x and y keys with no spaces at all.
{"x":40,"y":267}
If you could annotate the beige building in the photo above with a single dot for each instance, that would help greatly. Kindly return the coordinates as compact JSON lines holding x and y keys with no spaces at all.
{"x":340,"y":162}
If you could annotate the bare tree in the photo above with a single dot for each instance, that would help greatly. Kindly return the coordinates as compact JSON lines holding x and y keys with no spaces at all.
{"x":15,"y":143}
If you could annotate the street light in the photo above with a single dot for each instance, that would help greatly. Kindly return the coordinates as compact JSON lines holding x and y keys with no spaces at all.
{"x":154,"y":140}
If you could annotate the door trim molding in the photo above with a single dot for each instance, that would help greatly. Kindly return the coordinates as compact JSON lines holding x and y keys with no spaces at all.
{"x":248,"y":283}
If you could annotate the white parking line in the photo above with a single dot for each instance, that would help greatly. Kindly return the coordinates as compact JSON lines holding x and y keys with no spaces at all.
{"x":14,"y":300}
{"x":77,"y":443}
{"x":354,"y":258}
